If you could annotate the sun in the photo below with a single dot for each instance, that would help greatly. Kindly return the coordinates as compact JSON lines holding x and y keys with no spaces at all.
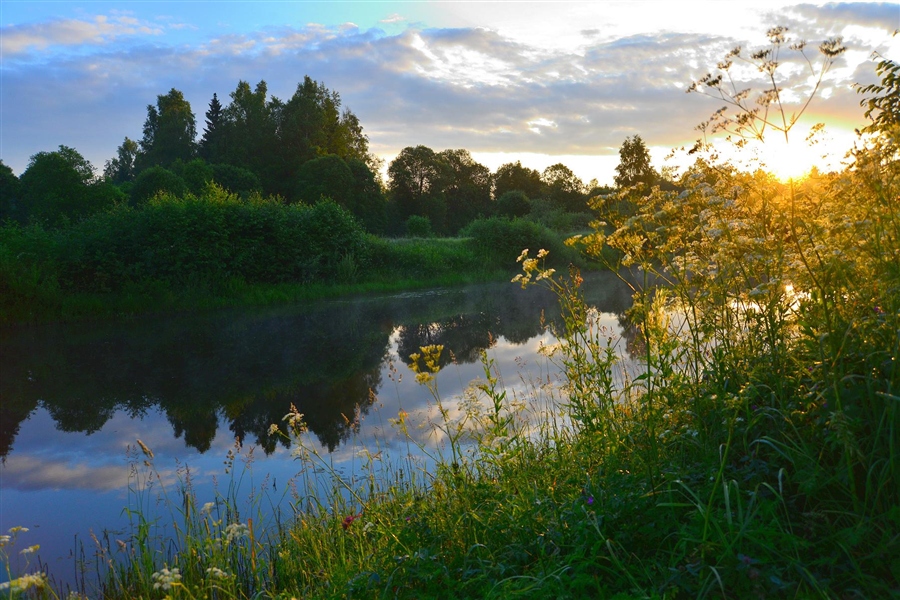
{"x":786,"y":159}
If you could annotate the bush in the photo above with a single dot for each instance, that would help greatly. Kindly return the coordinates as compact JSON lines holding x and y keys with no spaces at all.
{"x":513,"y":204}
{"x":417,"y":226}
{"x":502,"y":240}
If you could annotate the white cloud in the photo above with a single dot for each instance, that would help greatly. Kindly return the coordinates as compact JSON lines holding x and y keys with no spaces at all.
{"x":18,"y":39}
{"x":468,"y":87}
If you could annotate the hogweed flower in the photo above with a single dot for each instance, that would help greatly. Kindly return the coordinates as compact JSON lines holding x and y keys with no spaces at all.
{"x":166,"y":578}
{"x":235,"y":531}
{"x":21,"y":584}
{"x":217,"y":573}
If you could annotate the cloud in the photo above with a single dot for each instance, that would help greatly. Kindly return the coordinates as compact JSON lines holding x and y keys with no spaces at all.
{"x":30,"y":473}
{"x":18,"y":39}
{"x":469,"y":87}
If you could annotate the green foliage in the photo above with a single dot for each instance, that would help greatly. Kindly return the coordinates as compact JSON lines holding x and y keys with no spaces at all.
{"x":512,"y":177}
{"x":10,"y":193}
{"x":513,"y":204}
{"x":58,"y":187}
{"x":325,"y":177}
{"x":236,"y":179}
{"x":634,"y":169}
{"x":123,"y":167}
{"x":169,"y":132}
{"x":153,"y":181}
{"x":196,"y":174}
{"x":563,"y":188}
{"x":502,"y":240}
{"x":418,"y":226}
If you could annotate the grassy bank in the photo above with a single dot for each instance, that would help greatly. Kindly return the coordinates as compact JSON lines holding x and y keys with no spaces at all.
{"x":195,"y":253}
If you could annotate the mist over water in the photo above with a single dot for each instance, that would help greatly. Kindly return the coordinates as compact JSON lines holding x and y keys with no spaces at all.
{"x":74,"y":397}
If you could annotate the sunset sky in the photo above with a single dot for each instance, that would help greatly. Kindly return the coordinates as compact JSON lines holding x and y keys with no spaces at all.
{"x":541,"y":82}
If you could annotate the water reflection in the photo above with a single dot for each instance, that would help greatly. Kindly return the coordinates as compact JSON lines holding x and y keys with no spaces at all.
{"x":72,"y":397}
{"x":250,"y":366}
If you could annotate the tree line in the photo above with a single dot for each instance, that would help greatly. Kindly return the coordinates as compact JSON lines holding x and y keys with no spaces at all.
{"x":301,"y":150}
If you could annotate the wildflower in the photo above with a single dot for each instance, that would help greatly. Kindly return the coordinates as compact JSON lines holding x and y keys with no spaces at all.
{"x":166,"y":578}
{"x":348,"y":521}
{"x":24,"y":583}
{"x":590,"y":500}
{"x":235,"y":531}
{"x":30,"y":549}
{"x":207,"y":508}
{"x":273,"y":429}
{"x":295,"y":420}
{"x":217,"y":573}
{"x":4,"y":540}
{"x":18,"y":529}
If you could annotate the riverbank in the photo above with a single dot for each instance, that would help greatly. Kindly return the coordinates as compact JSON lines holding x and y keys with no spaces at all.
{"x":180,"y":254}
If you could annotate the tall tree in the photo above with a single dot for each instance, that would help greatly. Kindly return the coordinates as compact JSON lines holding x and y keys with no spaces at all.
{"x":563,"y":188}
{"x":10,"y":193}
{"x":250,"y":133}
{"x":60,"y":185}
{"x":465,"y":186}
{"x":634,"y":164}
{"x":169,"y":131}
{"x":123,"y":167}
{"x":413,"y":178}
{"x":211,"y":148}
{"x":512,"y":177}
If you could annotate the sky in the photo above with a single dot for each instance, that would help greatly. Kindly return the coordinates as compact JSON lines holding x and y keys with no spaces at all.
{"x":540,"y":82}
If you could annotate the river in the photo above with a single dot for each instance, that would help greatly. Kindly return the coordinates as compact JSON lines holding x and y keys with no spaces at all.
{"x":75,"y":397}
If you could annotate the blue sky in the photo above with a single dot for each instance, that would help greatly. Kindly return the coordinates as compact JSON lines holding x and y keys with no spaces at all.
{"x":542,"y":82}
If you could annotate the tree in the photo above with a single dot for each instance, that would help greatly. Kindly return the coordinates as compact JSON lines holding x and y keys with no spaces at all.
{"x":122,"y":168}
{"x":465,"y":186}
{"x":169,"y":131}
{"x":513,"y":204}
{"x":326,"y":176}
{"x":249,"y":138}
{"x":413,"y":176}
{"x":634,"y":167}
{"x":10,"y":193}
{"x":153,"y":181}
{"x":564,"y":188}
{"x":513,"y":176}
{"x":59,"y":186}
{"x":211,"y":143}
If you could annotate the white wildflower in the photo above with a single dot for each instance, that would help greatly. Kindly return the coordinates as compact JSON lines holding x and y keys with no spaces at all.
{"x":236,"y":531}
{"x":217,"y":573}
{"x":166,"y":578}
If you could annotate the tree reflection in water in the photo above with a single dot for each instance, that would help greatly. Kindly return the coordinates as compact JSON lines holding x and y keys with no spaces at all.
{"x":247,"y":367}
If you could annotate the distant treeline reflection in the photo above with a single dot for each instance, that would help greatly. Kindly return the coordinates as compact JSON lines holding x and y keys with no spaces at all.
{"x":249,"y":366}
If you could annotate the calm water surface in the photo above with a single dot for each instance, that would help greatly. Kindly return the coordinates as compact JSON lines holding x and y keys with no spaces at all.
{"x":74,"y":397}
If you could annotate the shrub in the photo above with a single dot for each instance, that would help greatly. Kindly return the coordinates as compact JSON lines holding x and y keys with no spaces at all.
{"x":418,"y":226}
{"x":501,"y":241}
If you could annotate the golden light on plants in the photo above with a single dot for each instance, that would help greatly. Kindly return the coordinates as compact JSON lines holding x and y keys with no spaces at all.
{"x":787,"y":160}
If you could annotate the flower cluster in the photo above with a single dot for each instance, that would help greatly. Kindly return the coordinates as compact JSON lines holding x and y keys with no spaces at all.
{"x":166,"y":578}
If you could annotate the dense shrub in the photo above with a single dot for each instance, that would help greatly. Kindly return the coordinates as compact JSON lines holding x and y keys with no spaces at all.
{"x":153,"y":181}
{"x":209,"y":239}
{"x":503,"y":240}
{"x":418,"y":226}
